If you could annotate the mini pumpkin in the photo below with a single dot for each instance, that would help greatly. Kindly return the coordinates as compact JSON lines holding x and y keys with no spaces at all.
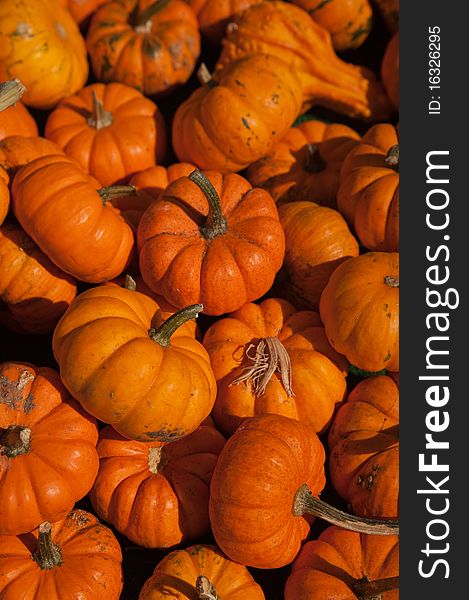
{"x":58,"y":206}
{"x":317,"y":241}
{"x":305,"y":164}
{"x":48,"y":457}
{"x":390,"y":70}
{"x":16,"y":120}
{"x":214,"y":15}
{"x":257,"y":98}
{"x":41,"y":44}
{"x":348,"y":565}
{"x":285,"y":457}
{"x":201,"y":572}
{"x":348,"y":21}
{"x":289,"y":33}
{"x":18,"y":150}
{"x":34,"y":293}
{"x":76,"y":557}
{"x":112,"y":131}
{"x":153,"y":493}
{"x":149,"y":45}
{"x":364,"y":445}
{"x":151,"y":381}
{"x":211,"y":239}
{"x":368,"y":195}
{"x":360,"y":310}
{"x":269,"y":358}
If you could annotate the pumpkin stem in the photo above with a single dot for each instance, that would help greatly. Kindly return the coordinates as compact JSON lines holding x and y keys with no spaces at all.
{"x":205,"y":589}
{"x":143,"y":20}
{"x":162,"y":335}
{"x":205,"y":77}
{"x":10,"y":92}
{"x":116,"y":191}
{"x":156,"y":459}
{"x":391,"y":281}
{"x":15,"y":440}
{"x":306,"y":503}
{"x":270,"y":356}
{"x":99,"y":117}
{"x":314,"y":163}
{"x":130,"y":283}
{"x":372,"y":590}
{"x":215,"y":224}
{"x":47,"y":555}
{"x":392,"y":157}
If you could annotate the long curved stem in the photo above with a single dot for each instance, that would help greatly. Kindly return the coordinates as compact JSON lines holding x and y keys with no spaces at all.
{"x":367,"y":590}
{"x":116,"y":191}
{"x":48,"y":555}
{"x":162,"y":335}
{"x":215,"y":224}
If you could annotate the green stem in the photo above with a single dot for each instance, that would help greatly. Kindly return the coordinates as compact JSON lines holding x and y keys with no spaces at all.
{"x":215,"y":224}
{"x":10,"y":93}
{"x":48,"y":555}
{"x":116,"y":191}
{"x":392,"y":157}
{"x":370,"y":590}
{"x":145,"y":16}
{"x":15,"y":440}
{"x":306,"y":503}
{"x":162,"y":335}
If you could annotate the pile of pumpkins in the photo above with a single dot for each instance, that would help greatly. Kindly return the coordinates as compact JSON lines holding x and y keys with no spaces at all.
{"x":209,"y":438}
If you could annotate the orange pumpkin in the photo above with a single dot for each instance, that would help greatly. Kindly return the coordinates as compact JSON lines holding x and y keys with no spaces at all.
{"x":347,"y":565}
{"x":257,"y":98}
{"x":16,"y":120}
{"x":317,"y":241}
{"x":57,"y":205}
{"x":73,"y":558}
{"x":156,"y":494}
{"x":192,"y":572}
{"x":305,"y":164}
{"x":390,"y":70}
{"x":269,"y":358}
{"x":348,"y":21}
{"x":289,"y":32}
{"x":364,"y":445}
{"x":149,"y":45}
{"x":151,"y":381}
{"x":360,"y":310}
{"x":4,"y":194}
{"x":34,"y":293}
{"x":41,"y":44}
{"x":211,"y":238}
{"x":17,"y":150}
{"x":48,"y":457}
{"x":214,"y":15}
{"x":264,"y":492}
{"x":112,"y":131}
{"x":368,"y":195}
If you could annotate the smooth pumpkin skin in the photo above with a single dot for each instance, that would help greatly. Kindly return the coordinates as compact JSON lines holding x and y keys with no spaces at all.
{"x":82,"y":9}
{"x":18,"y":150}
{"x":134,"y":140}
{"x":153,"y":57}
{"x":156,"y":500}
{"x":364,"y":445}
{"x":34,"y":293}
{"x":214,"y":15}
{"x":58,"y":206}
{"x":268,"y":453}
{"x":16,"y":120}
{"x":318,"y":373}
{"x":223,"y":273}
{"x":41,"y":45}
{"x":360,"y":311}
{"x":91,"y":568}
{"x":290,"y":33}
{"x":368,"y":195}
{"x":348,"y":21}
{"x":327,"y":567}
{"x":254,"y":116}
{"x":60,"y":467}
{"x":177,"y":573}
{"x":317,"y":241}
{"x":293,"y":171}
{"x":390,"y":70}
{"x":124,"y":378}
